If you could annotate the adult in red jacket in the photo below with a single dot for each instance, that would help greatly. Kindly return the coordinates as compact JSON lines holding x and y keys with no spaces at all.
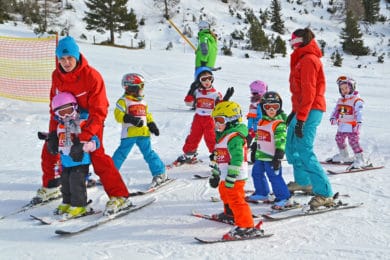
{"x":307,"y":86}
{"x":73,"y":74}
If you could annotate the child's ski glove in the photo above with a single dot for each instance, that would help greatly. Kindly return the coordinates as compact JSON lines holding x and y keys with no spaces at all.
{"x":233,"y":172}
{"x":277,"y":160}
{"x":214,"y":178}
{"x":76,"y":150}
{"x":228,"y":94}
{"x":153,"y":128}
{"x":52,"y":143}
{"x":136,"y":121}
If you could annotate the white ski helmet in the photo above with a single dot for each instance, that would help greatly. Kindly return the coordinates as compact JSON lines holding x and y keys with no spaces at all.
{"x":203,"y":25}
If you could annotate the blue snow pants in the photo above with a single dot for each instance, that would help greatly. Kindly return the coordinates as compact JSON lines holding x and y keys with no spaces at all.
{"x":299,"y":153}
{"x":260,"y":182}
{"x":156,"y":166}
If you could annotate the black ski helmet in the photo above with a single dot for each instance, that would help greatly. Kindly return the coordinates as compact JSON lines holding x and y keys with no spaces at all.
{"x":271,"y":97}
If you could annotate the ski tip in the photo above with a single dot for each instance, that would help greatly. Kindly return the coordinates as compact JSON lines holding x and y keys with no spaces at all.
{"x":259,"y":225}
{"x":62,"y":232}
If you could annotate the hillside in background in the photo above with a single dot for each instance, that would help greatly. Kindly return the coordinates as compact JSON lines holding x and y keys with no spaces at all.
{"x":229,"y":17}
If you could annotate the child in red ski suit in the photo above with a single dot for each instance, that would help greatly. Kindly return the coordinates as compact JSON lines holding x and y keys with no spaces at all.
{"x":205,"y":97}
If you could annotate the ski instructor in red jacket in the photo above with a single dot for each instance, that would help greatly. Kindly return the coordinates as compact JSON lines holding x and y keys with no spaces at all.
{"x":73,"y":74}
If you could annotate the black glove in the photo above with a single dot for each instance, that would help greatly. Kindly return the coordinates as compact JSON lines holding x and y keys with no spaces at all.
{"x":76,"y":151}
{"x":203,"y":63}
{"x":249,"y":139}
{"x":136,"y":121}
{"x":253,"y":151}
{"x":214,"y":178}
{"x":228,"y":94}
{"x":214,"y":181}
{"x":52,"y":143}
{"x":213,"y":157}
{"x":153,"y":128}
{"x":289,"y":118}
{"x":194,"y":86}
{"x":277,"y":160}
{"x":42,"y":136}
{"x":299,"y":128}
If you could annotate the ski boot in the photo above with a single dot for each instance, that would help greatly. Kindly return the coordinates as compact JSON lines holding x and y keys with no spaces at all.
{"x":240,"y":233}
{"x":341,"y":157}
{"x":293,"y":187}
{"x":116,"y":204}
{"x":321,"y":201}
{"x":46,"y":194}
{"x":158,"y":180}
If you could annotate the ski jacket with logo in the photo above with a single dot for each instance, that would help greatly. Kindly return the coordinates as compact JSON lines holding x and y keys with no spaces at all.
{"x":271,"y":135}
{"x":231,"y":149}
{"x":127,"y":104}
{"x":348,"y":112}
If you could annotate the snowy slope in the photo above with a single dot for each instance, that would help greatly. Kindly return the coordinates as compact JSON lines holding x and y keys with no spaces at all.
{"x":165,"y":230}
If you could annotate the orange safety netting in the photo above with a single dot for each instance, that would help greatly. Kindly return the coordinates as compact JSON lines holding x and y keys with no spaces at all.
{"x":26,"y":65}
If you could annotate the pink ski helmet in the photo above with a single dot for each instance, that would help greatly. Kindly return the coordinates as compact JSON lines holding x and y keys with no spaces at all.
{"x":61,"y":99}
{"x":259,"y":87}
{"x":60,"y":105}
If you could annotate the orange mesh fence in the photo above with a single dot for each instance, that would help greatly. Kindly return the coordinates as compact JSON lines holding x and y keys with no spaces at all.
{"x":26,"y":65}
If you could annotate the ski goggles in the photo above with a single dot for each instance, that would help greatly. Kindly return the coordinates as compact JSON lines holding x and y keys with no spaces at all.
{"x":274,"y":106}
{"x":66,"y":111}
{"x":342,"y":79}
{"x":133,"y":87}
{"x":221,"y":120}
{"x":205,"y":78}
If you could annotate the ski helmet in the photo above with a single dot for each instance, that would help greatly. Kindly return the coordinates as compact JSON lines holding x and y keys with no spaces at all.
{"x":259,"y":87}
{"x":346,"y":80}
{"x":62,"y":99}
{"x":133,"y":82}
{"x":203,"y":25}
{"x":228,"y":110}
{"x":64,"y":104}
{"x":201,"y":70}
{"x":273,"y":100}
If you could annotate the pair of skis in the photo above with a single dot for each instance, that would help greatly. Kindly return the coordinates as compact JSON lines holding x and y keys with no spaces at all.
{"x":90,"y":224}
{"x":277,"y":215}
{"x":221,"y":240}
{"x":369,"y":167}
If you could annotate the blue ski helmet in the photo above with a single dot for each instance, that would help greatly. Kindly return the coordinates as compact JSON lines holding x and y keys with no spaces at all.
{"x":201,"y":70}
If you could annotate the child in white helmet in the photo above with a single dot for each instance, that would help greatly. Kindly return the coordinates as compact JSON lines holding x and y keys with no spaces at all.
{"x":347,"y":115}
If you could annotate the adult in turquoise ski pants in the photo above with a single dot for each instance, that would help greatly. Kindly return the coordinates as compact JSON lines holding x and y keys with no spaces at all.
{"x":299,"y":153}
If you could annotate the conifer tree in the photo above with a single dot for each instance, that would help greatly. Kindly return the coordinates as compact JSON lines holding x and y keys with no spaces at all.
{"x":110,"y":15}
{"x":371,"y":10}
{"x":48,"y":12}
{"x":257,"y":37}
{"x":280,"y":46}
{"x":4,"y":6}
{"x":276,"y":18}
{"x":352,"y":37}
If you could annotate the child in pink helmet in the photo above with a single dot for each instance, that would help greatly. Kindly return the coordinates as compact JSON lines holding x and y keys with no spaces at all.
{"x":75,"y":158}
{"x":257,"y":89}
